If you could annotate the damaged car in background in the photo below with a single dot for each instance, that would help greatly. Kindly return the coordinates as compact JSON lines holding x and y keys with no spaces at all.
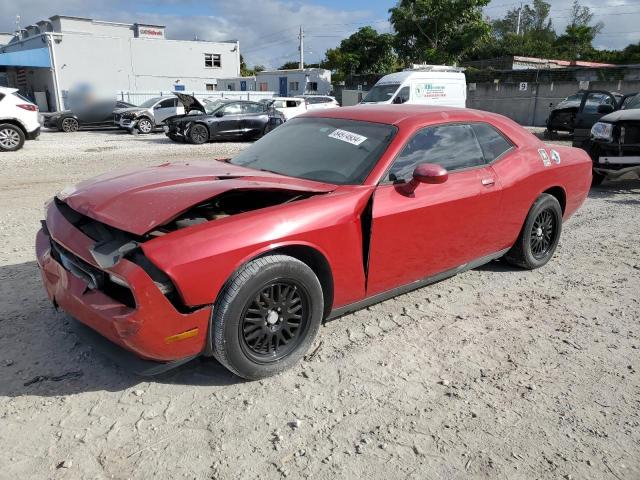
{"x":222,"y":119}
{"x":149,"y":115}
{"x":338,"y":209}
{"x":614,"y":145}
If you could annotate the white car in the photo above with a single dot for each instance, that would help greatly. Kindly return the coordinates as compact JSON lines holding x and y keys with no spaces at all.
{"x":18,"y":120}
{"x":290,"y":106}
{"x":317,"y":102}
{"x":149,"y":115}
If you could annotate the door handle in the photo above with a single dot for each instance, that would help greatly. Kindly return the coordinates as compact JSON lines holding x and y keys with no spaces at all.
{"x":488,"y":182}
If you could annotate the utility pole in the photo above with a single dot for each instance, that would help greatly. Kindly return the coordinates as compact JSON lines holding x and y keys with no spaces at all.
{"x":301,"y":47}
{"x":519,"y":17}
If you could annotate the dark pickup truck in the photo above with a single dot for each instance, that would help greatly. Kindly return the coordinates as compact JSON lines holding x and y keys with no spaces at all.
{"x":610,"y":133}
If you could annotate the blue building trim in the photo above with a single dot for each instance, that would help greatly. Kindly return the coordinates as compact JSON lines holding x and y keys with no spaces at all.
{"x":35,"y":58}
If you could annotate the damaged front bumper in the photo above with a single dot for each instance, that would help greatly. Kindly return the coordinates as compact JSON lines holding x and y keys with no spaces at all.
{"x":143,"y":321}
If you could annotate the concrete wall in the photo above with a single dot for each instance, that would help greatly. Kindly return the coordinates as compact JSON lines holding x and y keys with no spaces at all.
{"x":531,"y":106}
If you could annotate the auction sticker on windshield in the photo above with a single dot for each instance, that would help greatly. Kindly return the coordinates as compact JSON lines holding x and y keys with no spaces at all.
{"x":349,"y":137}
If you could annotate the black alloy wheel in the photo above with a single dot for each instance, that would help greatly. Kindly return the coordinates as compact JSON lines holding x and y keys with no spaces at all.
{"x":267,"y":316}
{"x":70,"y":125}
{"x":542,"y":232}
{"x":274,"y":321}
{"x":539,"y":235}
{"x":199,"y":134}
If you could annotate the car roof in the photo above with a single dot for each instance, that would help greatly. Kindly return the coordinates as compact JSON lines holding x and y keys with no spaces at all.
{"x":287,"y":98}
{"x":7,"y":90}
{"x":417,"y":116}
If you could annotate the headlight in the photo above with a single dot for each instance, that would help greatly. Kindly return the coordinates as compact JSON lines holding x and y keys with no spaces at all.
{"x":602,"y":131}
{"x":66,"y":191}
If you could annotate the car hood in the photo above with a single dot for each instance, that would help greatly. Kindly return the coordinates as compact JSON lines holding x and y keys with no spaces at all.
{"x":622,"y":116}
{"x":190,"y":102}
{"x":138,"y":201}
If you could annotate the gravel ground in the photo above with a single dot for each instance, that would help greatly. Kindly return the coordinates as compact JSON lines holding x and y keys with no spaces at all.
{"x":496,"y":373}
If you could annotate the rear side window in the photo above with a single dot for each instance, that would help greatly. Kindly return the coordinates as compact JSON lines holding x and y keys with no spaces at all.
{"x":492,"y":142}
{"x":452,"y":146}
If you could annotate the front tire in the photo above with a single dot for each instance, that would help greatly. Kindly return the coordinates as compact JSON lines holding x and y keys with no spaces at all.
{"x":144,"y":125}
{"x":198,"y":134}
{"x":267,"y":316}
{"x":539,"y":236}
{"x":11,"y":138}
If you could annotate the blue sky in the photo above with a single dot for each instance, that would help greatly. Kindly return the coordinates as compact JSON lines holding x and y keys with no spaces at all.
{"x":267,"y":29}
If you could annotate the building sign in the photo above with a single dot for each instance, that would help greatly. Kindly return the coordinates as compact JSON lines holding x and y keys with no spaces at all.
{"x":178,"y":88}
{"x":143,"y":31}
{"x":524,"y":86}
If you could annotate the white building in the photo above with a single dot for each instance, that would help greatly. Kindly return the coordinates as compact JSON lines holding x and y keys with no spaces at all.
{"x":60,"y":54}
{"x":295,"y":82}
{"x":241,"y":84}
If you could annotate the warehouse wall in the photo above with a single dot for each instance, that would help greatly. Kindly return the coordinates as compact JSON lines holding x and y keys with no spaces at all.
{"x":531,"y":106}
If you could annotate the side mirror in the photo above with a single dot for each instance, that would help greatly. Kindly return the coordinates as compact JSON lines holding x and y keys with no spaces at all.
{"x":604,"y":109}
{"x":426,"y":173}
{"x":219,"y":114}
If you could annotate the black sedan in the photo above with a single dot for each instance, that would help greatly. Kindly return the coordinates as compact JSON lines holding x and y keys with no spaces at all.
{"x":222,"y":119}
{"x":90,"y":116}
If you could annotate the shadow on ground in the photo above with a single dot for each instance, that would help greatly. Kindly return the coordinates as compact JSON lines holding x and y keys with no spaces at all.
{"x":40,"y":353}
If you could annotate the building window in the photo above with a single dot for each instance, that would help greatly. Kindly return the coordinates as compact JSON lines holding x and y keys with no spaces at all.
{"x":263,"y":87}
{"x":294,"y":86}
{"x":210,"y":87}
{"x":231,"y":86}
{"x":312,"y":86}
{"x":212,"y":60}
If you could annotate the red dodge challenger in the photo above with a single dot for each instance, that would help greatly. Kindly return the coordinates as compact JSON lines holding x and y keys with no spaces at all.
{"x":337,"y":209}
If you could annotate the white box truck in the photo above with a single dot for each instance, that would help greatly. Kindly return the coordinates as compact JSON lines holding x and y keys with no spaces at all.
{"x":422,"y":84}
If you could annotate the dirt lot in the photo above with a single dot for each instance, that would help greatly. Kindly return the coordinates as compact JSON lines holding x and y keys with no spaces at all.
{"x":496,"y":373}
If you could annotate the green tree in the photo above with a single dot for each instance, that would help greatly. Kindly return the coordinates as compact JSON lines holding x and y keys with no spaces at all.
{"x":577,"y":41}
{"x":365,"y":51}
{"x":438,"y":31}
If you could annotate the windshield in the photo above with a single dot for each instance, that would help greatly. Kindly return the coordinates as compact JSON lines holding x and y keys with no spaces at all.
{"x":571,"y":101}
{"x":150,"y":103}
{"x":327,"y":150}
{"x":381,"y":93}
{"x":211,"y":106}
{"x":632,"y":102}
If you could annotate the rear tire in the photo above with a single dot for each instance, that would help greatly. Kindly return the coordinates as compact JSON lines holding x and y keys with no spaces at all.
{"x":11,"y":138}
{"x":69,"y":125}
{"x":597,"y":179}
{"x":198,"y":134}
{"x":539,"y":236}
{"x":266,"y":317}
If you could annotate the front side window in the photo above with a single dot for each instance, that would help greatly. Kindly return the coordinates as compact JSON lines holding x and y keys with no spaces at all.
{"x":328,"y":150}
{"x":594,"y":100}
{"x":452,"y":146}
{"x":169,"y":103}
{"x":232,"y":109}
{"x":403,"y":95}
{"x":150,"y":103}
{"x":212,"y":60}
{"x":252,"y":108}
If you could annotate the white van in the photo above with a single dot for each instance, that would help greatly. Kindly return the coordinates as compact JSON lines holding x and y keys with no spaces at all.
{"x":425,"y":85}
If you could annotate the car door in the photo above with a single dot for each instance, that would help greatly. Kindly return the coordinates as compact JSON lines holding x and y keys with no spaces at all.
{"x":438,"y":227}
{"x":588,"y":113}
{"x":228,"y":120}
{"x":254,"y":119}
{"x":165,"y":109}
